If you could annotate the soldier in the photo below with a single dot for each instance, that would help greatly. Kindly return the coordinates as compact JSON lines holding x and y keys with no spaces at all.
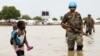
{"x":89,"y":22}
{"x":72,"y":23}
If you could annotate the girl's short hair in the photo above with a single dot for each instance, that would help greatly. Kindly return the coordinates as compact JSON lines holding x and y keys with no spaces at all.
{"x":20,"y":23}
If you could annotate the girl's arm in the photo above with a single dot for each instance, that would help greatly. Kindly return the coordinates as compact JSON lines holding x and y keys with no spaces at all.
{"x":26,"y":42}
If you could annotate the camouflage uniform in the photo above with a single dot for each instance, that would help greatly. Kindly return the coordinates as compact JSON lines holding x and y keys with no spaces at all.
{"x":72,"y":37}
{"x":89,"y":22}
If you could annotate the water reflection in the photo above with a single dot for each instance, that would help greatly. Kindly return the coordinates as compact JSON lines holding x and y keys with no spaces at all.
{"x":75,"y":53}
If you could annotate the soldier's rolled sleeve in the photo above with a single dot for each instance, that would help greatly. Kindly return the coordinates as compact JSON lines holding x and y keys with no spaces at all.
{"x":64,"y":19}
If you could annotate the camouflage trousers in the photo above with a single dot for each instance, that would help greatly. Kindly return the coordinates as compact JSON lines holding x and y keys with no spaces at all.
{"x":72,"y":38}
{"x":89,"y":30}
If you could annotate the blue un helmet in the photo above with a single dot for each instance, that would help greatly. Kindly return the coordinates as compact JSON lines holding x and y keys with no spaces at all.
{"x":72,"y":5}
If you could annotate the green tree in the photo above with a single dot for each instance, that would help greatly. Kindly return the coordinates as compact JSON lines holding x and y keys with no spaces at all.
{"x":98,"y":18}
{"x":55,"y":19}
{"x":27,"y":17}
{"x":0,"y":15}
{"x":37,"y":18}
{"x":10,"y":12}
{"x":84,"y":18}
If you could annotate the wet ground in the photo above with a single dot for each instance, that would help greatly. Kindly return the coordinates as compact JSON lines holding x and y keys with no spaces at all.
{"x":49,"y":41}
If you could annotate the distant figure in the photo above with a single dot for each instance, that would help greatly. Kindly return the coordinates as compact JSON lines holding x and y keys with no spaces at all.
{"x":19,"y":38}
{"x":72,"y":23}
{"x":89,"y":22}
{"x":42,"y":23}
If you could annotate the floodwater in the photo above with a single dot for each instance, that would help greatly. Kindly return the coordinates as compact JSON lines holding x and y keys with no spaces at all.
{"x":49,"y":41}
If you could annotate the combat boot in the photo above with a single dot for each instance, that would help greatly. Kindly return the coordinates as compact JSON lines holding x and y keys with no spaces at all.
{"x":79,"y":48}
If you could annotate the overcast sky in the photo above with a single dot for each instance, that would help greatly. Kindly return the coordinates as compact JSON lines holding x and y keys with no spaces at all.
{"x":56,"y":8}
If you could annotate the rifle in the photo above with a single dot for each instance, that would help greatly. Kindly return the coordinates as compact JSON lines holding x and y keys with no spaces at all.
{"x":74,"y":29}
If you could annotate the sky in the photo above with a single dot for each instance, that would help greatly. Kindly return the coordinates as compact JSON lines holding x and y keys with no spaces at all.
{"x":56,"y":8}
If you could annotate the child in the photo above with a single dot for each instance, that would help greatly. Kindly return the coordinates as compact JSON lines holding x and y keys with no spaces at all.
{"x":20,"y":39}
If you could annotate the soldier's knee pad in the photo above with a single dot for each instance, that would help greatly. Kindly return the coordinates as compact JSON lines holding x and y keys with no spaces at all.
{"x":90,"y":32}
{"x":86,"y":32}
{"x":79,"y":47}
{"x":70,"y":49}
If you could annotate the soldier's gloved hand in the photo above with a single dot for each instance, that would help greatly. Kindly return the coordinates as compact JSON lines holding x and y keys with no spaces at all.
{"x":82,"y":33}
{"x":63,"y":25}
{"x":69,"y":29}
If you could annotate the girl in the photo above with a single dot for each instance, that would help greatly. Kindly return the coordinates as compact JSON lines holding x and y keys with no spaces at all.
{"x":20,"y":39}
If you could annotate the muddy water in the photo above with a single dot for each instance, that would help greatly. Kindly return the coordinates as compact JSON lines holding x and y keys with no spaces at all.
{"x":49,"y":41}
